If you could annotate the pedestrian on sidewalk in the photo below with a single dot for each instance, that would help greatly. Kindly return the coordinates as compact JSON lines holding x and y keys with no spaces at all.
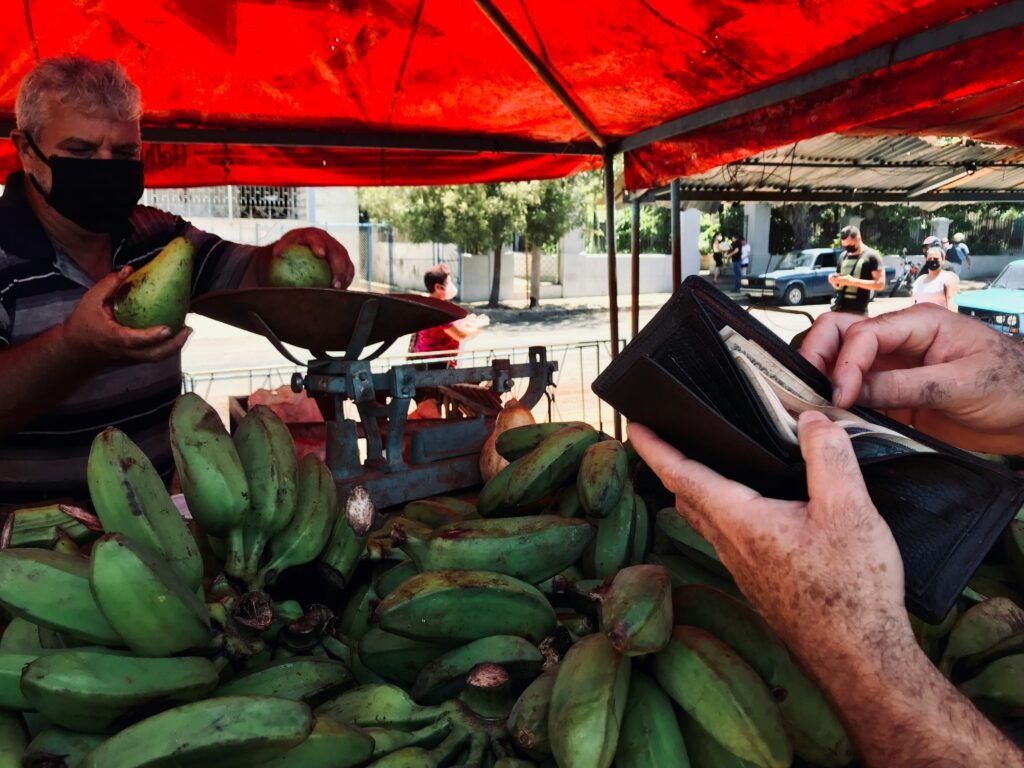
{"x":736,"y":257}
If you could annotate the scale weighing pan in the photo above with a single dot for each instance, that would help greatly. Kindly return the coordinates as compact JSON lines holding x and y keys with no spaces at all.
{"x":326,"y":319}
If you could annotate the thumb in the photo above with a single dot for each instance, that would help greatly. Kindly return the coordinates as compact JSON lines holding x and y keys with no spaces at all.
{"x":107,"y":285}
{"x":834,"y":479}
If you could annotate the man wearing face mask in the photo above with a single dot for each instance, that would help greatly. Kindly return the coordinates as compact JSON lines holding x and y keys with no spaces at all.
{"x":70,"y":233}
{"x":859,"y":273}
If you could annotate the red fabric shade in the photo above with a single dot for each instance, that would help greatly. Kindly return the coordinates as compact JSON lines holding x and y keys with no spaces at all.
{"x":405,"y":69}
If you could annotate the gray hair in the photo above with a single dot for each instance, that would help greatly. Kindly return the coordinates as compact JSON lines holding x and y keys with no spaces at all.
{"x":90,"y":87}
{"x":935,"y":251}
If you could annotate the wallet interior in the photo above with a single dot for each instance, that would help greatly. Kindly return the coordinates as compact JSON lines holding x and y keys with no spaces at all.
{"x":946,"y":507}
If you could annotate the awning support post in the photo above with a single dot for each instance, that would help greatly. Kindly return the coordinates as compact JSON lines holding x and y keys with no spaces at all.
{"x":613,"y":283}
{"x":634,"y":277}
{"x":677,"y":241}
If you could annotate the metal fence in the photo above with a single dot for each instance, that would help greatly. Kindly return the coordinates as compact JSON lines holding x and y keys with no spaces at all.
{"x":571,"y":399}
{"x":550,"y":267}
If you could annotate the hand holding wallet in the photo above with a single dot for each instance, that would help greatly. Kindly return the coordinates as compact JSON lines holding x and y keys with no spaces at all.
{"x":720,"y":386}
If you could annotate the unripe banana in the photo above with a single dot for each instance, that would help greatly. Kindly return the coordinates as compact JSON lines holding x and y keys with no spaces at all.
{"x":438,"y":511}
{"x":393,"y":577}
{"x":650,"y":735}
{"x":636,"y":609}
{"x":210,"y":472}
{"x":549,"y":466}
{"x":488,"y":693}
{"x":130,"y":498}
{"x":396,"y":658}
{"x":12,"y":664}
{"x":641,"y":534}
{"x":52,"y":589}
{"x":380,"y":706}
{"x":460,"y":606}
{"x":229,"y":732}
{"x":688,"y":542}
{"x":602,"y":477}
{"x":355,"y":619}
{"x":445,"y":677}
{"x":612,"y":544}
{"x":330,"y":745}
{"x":61,"y":747}
{"x":981,"y":627}
{"x":528,"y":721}
{"x":388,"y":740}
{"x":818,"y":735}
{"x":38,"y":526}
{"x":13,"y":740}
{"x":316,"y":509}
{"x":267,"y":452}
{"x":569,"y":504}
{"x":704,"y":751}
{"x":310,"y":679}
{"x":530,"y":548}
{"x":347,"y":540}
{"x":517,"y":442}
{"x":1000,"y":685}
{"x":99,"y":693}
{"x":493,"y":500}
{"x":721,"y":692}
{"x":587,"y":704}
{"x":684,"y":571}
{"x":142,"y":597}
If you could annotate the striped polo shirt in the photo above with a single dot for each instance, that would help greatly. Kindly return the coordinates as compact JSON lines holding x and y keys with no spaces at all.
{"x":40,"y":285}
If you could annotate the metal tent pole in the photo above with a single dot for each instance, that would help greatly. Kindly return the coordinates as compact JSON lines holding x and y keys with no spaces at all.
{"x":634,"y":275}
{"x":613,"y":283}
{"x":677,"y":249}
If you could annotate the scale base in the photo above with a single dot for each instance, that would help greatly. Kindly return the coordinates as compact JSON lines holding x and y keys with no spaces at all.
{"x":417,"y":481}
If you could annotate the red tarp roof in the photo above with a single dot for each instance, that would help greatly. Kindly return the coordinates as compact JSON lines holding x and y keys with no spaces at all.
{"x":440,"y":73}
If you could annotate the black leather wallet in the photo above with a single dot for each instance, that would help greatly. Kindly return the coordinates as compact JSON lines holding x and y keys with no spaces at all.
{"x":946,"y":507}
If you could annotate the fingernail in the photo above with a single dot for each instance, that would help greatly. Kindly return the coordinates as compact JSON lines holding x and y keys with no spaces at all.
{"x":165,"y":333}
{"x":337,"y":284}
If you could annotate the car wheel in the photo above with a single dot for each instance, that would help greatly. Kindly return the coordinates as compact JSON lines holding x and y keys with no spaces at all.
{"x":793,"y":295}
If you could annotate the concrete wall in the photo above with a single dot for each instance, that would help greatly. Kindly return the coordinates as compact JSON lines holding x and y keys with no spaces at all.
{"x":477,"y":273}
{"x":987,"y":267}
{"x":586,"y":274}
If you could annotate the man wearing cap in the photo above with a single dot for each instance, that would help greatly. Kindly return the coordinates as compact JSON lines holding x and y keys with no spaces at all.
{"x":859,"y":273}
{"x":958,"y":254}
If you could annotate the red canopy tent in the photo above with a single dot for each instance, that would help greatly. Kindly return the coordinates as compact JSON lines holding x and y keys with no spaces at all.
{"x":447,"y":91}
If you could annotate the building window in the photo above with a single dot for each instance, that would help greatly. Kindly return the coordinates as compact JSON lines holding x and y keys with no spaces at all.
{"x":243,"y":202}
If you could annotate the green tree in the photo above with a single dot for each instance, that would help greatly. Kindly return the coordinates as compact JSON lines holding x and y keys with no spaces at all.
{"x":551,"y":208}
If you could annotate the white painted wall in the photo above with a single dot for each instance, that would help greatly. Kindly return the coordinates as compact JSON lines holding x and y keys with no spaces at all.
{"x":689,"y":234}
{"x":586,"y":274}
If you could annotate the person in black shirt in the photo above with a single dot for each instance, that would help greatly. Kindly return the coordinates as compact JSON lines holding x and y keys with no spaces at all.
{"x":859,"y":273}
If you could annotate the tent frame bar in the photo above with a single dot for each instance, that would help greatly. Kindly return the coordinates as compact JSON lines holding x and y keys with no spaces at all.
{"x":860,"y":196}
{"x":1005,"y":16}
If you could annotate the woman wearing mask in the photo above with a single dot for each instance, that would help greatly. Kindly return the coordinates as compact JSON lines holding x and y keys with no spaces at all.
{"x":935,"y":285}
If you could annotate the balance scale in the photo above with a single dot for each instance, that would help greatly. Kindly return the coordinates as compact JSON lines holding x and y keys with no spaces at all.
{"x":443,"y":454}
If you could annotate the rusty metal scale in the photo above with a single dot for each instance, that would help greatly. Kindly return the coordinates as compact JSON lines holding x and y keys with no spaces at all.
{"x":344,"y":331}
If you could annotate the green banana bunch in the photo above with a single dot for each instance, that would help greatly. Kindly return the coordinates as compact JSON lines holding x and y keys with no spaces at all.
{"x":52,"y":590}
{"x":330,"y":745}
{"x":393,"y":577}
{"x":981,"y":627}
{"x":267,"y":452}
{"x":460,"y":606}
{"x":999,"y":686}
{"x":636,"y":609}
{"x":684,"y":571}
{"x":145,"y":601}
{"x":603,"y":475}
{"x":650,"y":736}
{"x":612,"y":545}
{"x":493,"y":500}
{"x":228,"y":732}
{"x":39,"y":526}
{"x":311,"y":679}
{"x":210,"y":472}
{"x":438,"y":511}
{"x":25,"y":637}
{"x":588,"y":701}
{"x":130,"y":498}
{"x":306,"y":534}
{"x":395,"y":658}
{"x":704,"y":751}
{"x":445,"y":677}
{"x":515,"y":443}
{"x":13,"y":740}
{"x":530,"y":548}
{"x":99,"y":693}
{"x":549,"y":466}
{"x":528,"y":721}
{"x":388,"y":740}
{"x":818,"y":735}
{"x":58,"y":746}
{"x":641,"y":534}
{"x":347,"y":541}
{"x":355,"y":618}
{"x":721,"y":692}
{"x":12,"y":664}
{"x":379,"y":705}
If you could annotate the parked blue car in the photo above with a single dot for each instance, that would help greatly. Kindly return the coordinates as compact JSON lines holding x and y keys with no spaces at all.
{"x":1001,"y":305}
{"x":798,"y":276}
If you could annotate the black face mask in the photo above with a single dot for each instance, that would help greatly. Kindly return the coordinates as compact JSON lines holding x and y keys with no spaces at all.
{"x":851,"y":248}
{"x":932,"y":264}
{"x":98,"y":195}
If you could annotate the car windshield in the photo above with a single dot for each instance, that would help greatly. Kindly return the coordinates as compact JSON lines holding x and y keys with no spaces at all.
{"x":797,"y":260}
{"x":1011,"y":277}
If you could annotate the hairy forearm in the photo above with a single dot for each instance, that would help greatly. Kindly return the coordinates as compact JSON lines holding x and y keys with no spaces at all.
{"x":898,"y":708}
{"x":38,"y":374}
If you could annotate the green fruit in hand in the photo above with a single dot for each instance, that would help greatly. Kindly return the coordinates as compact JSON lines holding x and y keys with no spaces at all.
{"x":159,"y":293}
{"x":296,"y":266}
